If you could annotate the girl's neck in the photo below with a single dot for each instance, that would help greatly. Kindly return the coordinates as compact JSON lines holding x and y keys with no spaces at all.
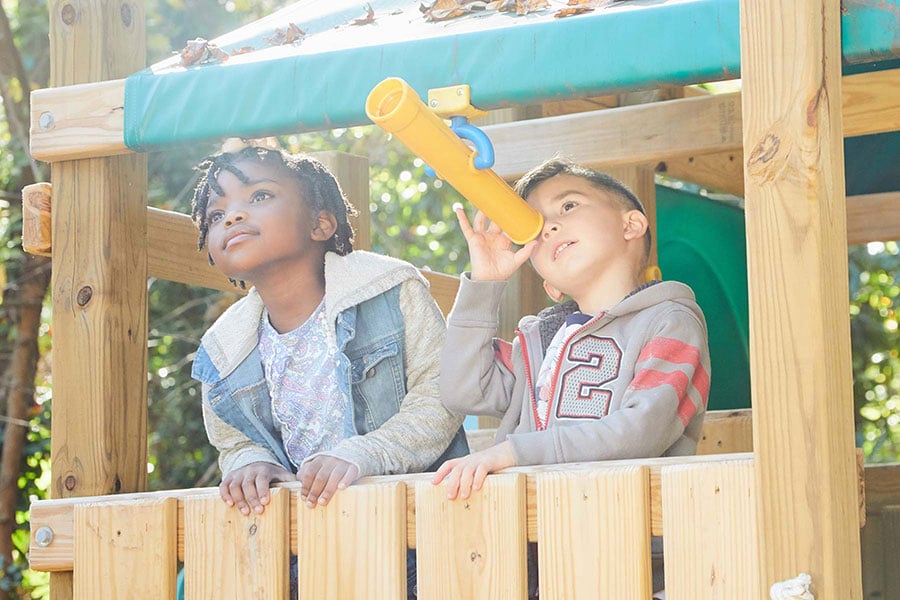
{"x":292,"y":297}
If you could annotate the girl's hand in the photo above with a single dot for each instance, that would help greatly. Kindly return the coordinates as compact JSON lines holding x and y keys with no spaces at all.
{"x":321,"y":476}
{"x":467,"y":473}
{"x":490,"y":250}
{"x":248,"y":487}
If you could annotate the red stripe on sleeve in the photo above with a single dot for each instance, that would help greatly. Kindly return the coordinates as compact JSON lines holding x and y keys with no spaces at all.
{"x":672,"y":350}
{"x":678,"y":352}
{"x":650,"y":378}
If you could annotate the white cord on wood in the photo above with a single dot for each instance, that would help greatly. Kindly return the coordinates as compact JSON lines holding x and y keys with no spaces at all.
{"x":792,"y":589}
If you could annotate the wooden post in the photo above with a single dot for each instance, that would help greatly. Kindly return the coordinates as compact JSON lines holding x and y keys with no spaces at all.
{"x":799,"y":324}
{"x":99,"y":281}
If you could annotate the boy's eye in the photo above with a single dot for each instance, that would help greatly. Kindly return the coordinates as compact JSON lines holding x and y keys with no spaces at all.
{"x":567,"y":206}
{"x":259,"y":196}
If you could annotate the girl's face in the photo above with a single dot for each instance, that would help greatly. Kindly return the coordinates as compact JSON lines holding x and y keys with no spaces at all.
{"x":262,"y":227}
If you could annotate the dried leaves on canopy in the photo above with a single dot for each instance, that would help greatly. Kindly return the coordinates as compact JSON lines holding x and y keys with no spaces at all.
{"x":444,"y":10}
{"x":201,"y":51}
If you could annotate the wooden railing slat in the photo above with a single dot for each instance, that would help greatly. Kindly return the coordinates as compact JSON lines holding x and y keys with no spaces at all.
{"x":356,"y":546}
{"x":472,"y":548}
{"x":229,"y":556}
{"x":590,"y":525}
{"x":127,"y":550}
{"x":709,"y":513}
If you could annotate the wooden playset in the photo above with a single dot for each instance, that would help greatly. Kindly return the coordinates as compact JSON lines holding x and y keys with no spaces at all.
{"x":743,"y":515}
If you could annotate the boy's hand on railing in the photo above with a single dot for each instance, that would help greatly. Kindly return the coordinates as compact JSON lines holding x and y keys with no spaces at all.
{"x":467,"y":473}
{"x":321,"y":476}
{"x":490,"y":250}
{"x":248,"y":487}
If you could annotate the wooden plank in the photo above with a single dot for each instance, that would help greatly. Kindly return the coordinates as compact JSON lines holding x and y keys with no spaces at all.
{"x":356,"y":546}
{"x":230,"y":556}
{"x":88,"y":122}
{"x":646,"y":133}
{"x":890,"y":523}
{"x":718,"y":172}
{"x":78,"y":121}
{"x":99,"y":280}
{"x":126,"y":549}
{"x":882,"y":486}
{"x":726,"y":432}
{"x":866,"y":102}
{"x":36,"y":219}
{"x":799,"y":352}
{"x":710,"y":547}
{"x":873,"y":217}
{"x":473,"y":548}
{"x":594,"y":533}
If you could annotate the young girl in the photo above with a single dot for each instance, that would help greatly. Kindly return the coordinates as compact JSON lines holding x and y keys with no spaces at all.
{"x":328,"y":368}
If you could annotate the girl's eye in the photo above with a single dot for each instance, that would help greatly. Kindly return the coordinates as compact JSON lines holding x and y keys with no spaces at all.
{"x":567,"y":206}
{"x":259,"y":196}
{"x":215,"y":216}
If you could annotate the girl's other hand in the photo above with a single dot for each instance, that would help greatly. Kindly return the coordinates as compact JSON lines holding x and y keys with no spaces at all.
{"x":248,"y":487}
{"x":321,"y":476}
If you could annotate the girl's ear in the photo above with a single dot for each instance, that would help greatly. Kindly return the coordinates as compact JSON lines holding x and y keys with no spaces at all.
{"x":324,"y":226}
{"x":555,"y":294}
{"x":635,"y":224}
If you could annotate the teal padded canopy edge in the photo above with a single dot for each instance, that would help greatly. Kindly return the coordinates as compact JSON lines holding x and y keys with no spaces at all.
{"x":506,"y":60}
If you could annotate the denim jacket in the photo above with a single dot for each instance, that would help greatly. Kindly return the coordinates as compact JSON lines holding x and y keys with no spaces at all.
{"x":389,"y":334}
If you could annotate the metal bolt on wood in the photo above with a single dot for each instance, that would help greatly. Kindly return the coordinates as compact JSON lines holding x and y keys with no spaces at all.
{"x":43,"y":537}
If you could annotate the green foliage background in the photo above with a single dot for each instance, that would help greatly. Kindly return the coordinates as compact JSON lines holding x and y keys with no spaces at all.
{"x":411,"y":218}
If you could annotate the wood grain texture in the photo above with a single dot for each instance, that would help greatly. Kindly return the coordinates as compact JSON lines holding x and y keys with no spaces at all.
{"x":882,"y":485}
{"x":99,"y":430}
{"x":355,"y":547}
{"x":710,"y":546}
{"x":472,"y":548}
{"x":593,"y":532}
{"x":802,"y":397}
{"x":228,"y":556}
{"x":126,"y":549}
{"x":36,"y":219}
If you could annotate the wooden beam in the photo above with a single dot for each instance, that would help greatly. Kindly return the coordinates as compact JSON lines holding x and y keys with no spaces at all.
{"x":799,"y":351}
{"x":99,"y":282}
{"x":58,"y":515}
{"x":78,"y":121}
{"x":718,"y":172}
{"x":88,"y":121}
{"x":650,"y":133}
{"x":873,"y":218}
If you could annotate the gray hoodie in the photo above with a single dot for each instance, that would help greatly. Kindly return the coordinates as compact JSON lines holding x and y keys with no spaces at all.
{"x":631,"y":383}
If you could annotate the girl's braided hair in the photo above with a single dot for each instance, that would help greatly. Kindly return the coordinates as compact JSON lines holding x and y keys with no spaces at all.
{"x":320,"y":189}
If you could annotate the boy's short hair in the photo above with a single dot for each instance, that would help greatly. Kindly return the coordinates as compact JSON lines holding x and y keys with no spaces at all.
{"x":318,"y":185}
{"x":620,"y":193}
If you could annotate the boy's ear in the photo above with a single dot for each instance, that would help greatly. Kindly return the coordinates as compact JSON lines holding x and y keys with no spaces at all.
{"x":636,"y":224}
{"x":555,"y":294}
{"x":324,"y":226}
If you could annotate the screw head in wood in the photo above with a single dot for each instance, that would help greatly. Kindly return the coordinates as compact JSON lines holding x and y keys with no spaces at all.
{"x":43,"y":536}
{"x":46,"y":121}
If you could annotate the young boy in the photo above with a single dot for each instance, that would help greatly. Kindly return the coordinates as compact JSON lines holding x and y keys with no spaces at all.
{"x":619,"y":371}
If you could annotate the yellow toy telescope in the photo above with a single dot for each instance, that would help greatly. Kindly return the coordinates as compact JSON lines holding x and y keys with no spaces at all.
{"x":395,"y":107}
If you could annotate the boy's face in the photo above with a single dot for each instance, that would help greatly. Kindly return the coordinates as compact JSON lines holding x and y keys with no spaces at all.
{"x":584,"y":234}
{"x":259,"y":227}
